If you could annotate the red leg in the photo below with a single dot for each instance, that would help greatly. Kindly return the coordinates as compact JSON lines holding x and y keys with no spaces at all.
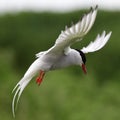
{"x":40,"y":77}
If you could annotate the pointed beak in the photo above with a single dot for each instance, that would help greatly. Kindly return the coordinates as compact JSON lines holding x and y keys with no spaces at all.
{"x":84,"y":68}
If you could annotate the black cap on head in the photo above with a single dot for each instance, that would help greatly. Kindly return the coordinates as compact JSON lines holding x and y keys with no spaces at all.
{"x":82,"y":55}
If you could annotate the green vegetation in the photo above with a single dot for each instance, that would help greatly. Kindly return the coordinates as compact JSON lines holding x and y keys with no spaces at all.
{"x":65,"y":94}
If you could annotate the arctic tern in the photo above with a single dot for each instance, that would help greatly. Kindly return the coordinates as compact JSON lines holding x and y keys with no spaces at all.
{"x":61,"y":54}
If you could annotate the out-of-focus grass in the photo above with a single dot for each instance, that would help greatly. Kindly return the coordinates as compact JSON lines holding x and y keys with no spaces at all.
{"x":65,"y":94}
{"x":62,"y":95}
{"x":7,"y":79}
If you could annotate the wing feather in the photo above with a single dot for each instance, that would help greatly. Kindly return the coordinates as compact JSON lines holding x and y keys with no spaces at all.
{"x":98,"y":43}
{"x":74,"y":33}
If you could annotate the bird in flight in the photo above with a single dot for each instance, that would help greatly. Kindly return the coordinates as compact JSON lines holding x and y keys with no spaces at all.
{"x":61,"y":54}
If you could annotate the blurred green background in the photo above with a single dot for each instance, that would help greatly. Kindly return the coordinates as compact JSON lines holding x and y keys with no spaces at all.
{"x":65,"y":94}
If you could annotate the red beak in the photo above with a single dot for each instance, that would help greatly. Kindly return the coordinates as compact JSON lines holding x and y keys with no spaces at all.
{"x":84,"y":68}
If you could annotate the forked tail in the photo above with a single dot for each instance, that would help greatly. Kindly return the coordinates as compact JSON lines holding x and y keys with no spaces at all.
{"x":31,"y":72}
{"x":18,"y":91}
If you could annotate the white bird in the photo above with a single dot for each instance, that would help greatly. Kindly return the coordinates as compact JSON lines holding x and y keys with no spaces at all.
{"x":61,"y":55}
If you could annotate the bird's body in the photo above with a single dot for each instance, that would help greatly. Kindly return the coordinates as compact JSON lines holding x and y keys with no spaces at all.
{"x":61,"y":55}
{"x":62,"y":60}
{"x":51,"y":62}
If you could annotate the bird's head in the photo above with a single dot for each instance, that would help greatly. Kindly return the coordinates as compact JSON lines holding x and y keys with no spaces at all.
{"x":82,"y":63}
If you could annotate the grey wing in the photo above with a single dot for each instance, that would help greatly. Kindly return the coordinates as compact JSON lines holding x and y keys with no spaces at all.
{"x":98,"y":43}
{"x":77,"y":31}
{"x":74,"y":34}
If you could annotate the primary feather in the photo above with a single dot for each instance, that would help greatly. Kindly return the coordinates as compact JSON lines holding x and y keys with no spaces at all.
{"x":77,"y":31}
{"x":73,"y":34}
{"x":99,"y":42}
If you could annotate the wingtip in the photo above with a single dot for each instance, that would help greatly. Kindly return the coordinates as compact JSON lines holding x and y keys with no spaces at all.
{"x":94,"y":8}
{"x":104,"y":37}
{"x":110,"y":32}
{"x":106,"y":32}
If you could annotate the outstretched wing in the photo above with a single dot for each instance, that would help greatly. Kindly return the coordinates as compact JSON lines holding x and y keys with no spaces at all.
{"x":74,"y":33}
{"x":98,"y":43}
{"x":78,"y":30}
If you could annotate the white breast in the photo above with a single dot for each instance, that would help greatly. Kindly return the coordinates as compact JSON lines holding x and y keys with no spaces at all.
{"x":73,"y":58}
